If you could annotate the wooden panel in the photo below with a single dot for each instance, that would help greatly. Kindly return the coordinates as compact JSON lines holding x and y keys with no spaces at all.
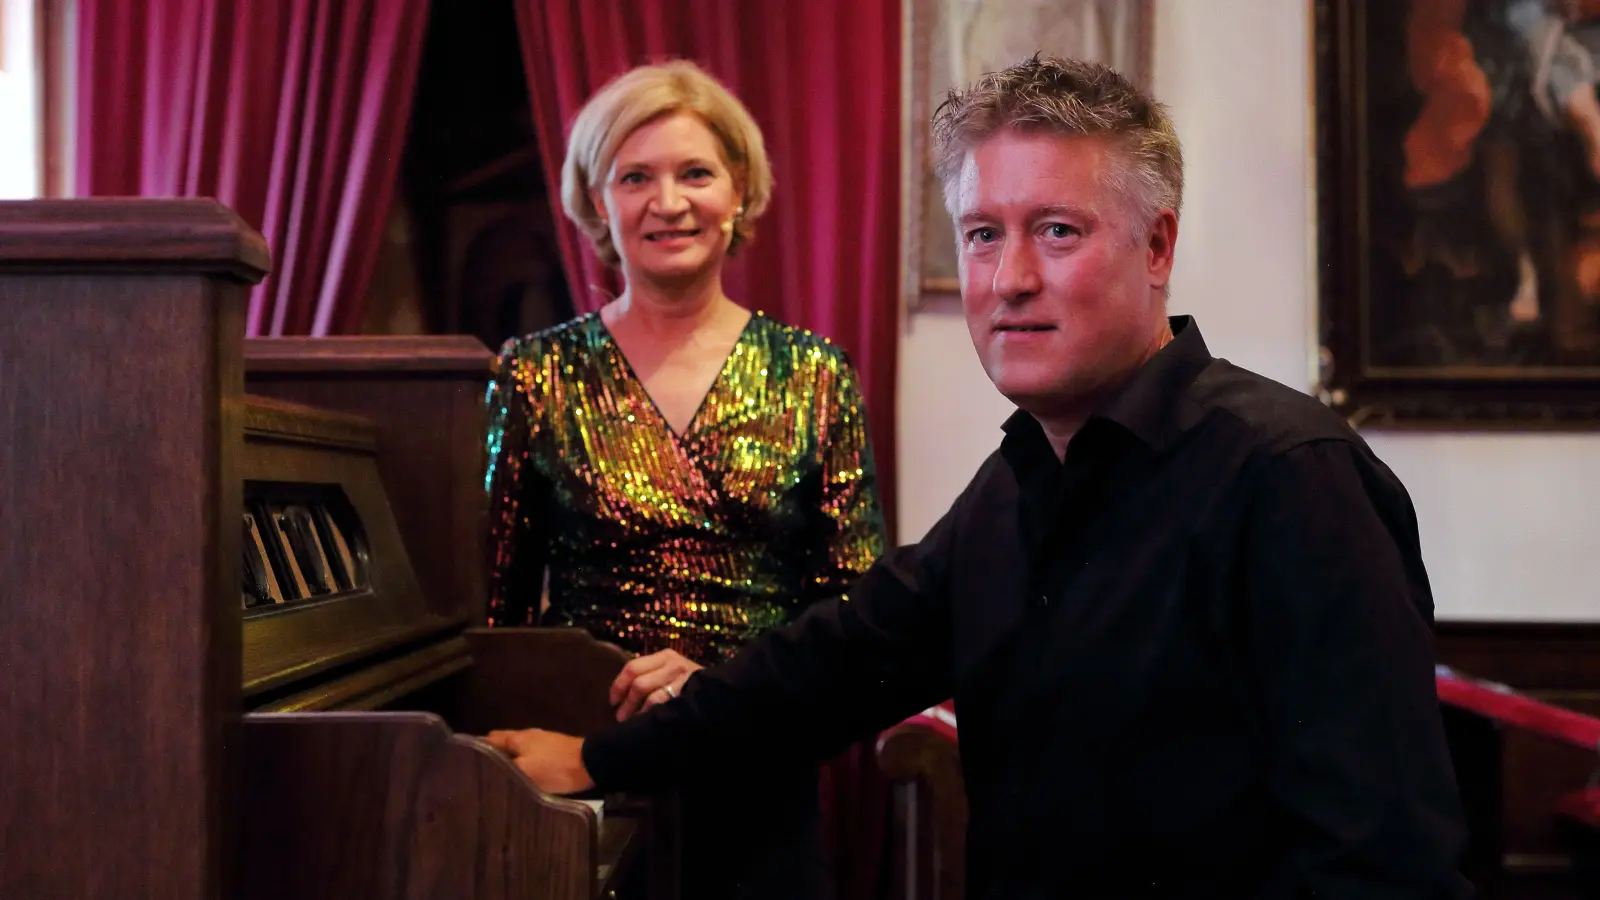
{"x":368,"y":354}
{"x":1511,"y":779}
{"x":1530,"y":656}
{"x":553,"y":678}
{"x":290,"y":443}
{"x":376,"y":686}
{"x":119,"y":542}
{"x":559,"y":679}
{"x":425,"y":397}
{"x":132,"y":235}
{"x":1537,"y":773}
{"x":379,"y":806}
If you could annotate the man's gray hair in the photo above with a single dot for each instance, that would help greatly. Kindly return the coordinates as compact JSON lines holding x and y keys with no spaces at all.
{"x":1049,"y":95}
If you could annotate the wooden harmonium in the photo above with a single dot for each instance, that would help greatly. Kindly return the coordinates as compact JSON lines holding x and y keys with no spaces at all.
{"x":334,"y":617}
{"x":301,"y":543}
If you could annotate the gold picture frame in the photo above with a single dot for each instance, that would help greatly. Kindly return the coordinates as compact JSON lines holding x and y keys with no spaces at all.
{"x":946,"y":42}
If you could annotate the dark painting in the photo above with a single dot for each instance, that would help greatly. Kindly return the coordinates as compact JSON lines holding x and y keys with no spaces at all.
{"x":1459,"y":190}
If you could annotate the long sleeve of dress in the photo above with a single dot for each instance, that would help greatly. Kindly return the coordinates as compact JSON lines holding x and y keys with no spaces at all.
{"x":516,"y":542}
{"x":853,"y":534}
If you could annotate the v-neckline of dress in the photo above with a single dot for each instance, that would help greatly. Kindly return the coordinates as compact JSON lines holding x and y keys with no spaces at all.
{"x":639,"y":385}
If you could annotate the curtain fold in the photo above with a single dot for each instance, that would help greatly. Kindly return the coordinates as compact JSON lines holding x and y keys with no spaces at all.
{"x":822,"y":78}
{"x":291,"y":112}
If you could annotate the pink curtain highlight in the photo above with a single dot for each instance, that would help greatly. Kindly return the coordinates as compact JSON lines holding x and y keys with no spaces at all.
{"x":291,"y":112}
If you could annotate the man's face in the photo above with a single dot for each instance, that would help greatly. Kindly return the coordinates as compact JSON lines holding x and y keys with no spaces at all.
{"x":1063,"y":298}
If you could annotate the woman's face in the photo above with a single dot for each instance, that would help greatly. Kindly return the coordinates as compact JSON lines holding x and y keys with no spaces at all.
{"x":668,"y":198}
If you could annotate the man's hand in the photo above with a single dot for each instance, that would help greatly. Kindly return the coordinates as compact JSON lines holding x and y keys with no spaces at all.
{"x":648,"y":680}
{"x":554,"y":761}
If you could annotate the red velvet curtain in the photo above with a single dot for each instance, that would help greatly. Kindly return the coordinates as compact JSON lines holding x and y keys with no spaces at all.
{"x":822,"y":78}
{"x":292,"y":112}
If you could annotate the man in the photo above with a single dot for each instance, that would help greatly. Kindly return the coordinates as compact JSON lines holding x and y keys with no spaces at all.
{"x":1182,"y":609}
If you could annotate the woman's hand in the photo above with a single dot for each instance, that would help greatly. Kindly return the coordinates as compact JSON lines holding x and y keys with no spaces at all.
{"x":648,"y":680}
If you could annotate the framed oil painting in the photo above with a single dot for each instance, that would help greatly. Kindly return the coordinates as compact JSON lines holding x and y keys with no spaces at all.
{"x":1458,"y":150}
{"x":950,"y":43}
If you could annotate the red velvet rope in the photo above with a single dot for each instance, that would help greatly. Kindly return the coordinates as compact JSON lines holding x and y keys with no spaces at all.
{"x":1486,"y":698}
{"x":1504,"y":705}
{"x":1581,"y":806}
{"x":1489,"y":699}
{"x":940,"y":719}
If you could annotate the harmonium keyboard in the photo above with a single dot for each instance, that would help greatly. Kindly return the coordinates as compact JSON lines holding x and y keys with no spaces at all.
{"x":274,"y":635}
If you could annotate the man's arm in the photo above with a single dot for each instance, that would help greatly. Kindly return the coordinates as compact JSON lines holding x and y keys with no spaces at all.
{"x":1339,"y":616}
{"x":845,"y":669}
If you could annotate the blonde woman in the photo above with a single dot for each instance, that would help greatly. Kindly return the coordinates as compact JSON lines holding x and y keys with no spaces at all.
{"x":685,"y":473}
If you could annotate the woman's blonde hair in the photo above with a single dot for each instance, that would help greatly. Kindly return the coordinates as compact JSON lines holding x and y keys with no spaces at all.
{"x":643,"y":95}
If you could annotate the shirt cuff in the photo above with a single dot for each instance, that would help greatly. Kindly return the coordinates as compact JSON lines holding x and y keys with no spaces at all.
{"x":617,"y":758}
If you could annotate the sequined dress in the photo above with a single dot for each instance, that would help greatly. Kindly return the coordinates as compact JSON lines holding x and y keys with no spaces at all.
{"x":651,"y":539}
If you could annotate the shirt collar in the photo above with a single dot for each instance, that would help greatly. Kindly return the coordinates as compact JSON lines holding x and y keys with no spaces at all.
{"x":1150,"y":405}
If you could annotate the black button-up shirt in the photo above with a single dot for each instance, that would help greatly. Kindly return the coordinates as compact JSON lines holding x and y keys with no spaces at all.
{"x":1192,"y":660}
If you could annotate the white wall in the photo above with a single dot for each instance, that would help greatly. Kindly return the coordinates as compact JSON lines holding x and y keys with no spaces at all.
{"x":1506,"y":519}
{"x":19,"y":118}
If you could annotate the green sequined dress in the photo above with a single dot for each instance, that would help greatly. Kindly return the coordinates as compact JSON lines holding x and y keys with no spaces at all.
{"x":651,"y":539}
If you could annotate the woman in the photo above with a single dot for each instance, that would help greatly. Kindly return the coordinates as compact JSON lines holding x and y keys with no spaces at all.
{"x":684,"y":473}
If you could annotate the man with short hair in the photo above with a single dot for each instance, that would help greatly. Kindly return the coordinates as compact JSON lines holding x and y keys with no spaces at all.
{"x":1182,"y":608}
